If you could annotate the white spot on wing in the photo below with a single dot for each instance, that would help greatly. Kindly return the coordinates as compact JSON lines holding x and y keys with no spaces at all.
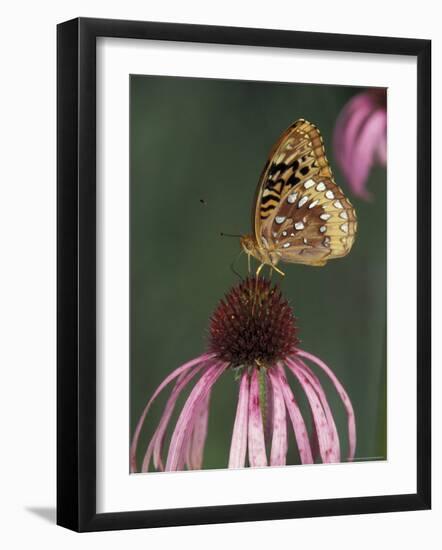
{"x":338,"y":204}
{"x":343,"y":215}
{"x":329,"y":194}
{"x":323,"y":229}
{"x":292,"y":197}
{"x":313,"y":204}
{"x":325,"y":217}
{"x":280,"y":219}
{"x":321,"y":186}
{"x":302,"y":201}
{"x":299,"y":226}
{"x":344,"y":227}
{"x":308,"y":184}
{"x":286,"y":245}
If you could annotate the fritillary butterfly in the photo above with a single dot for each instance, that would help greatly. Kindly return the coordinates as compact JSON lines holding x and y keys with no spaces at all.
{"x":300,"y":214}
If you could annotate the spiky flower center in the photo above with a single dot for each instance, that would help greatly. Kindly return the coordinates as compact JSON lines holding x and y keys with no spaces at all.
{"x":253,"y":325}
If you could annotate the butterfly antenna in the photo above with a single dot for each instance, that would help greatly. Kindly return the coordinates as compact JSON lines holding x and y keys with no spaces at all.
{"x":229,"y":235}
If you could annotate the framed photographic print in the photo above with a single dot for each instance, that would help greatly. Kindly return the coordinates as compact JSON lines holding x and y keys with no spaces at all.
{"x":243,"y":274}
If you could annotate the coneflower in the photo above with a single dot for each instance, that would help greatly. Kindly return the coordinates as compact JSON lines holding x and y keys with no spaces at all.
{"x":253,"y":335}
{"x":360,"y":138}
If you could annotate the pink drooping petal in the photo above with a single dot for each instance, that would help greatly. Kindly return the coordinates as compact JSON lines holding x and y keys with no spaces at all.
{"x":156,"y":443}
{"x":328,"y":444}
{"x":381,"y":151}
{"x":238,"y":447}
{"x":363,"y":101}
{"x":296,"y":362}
{"x":185,"y":456}
{"x":342,"y":394}
{"x":348,"y":126}
{"x":178,"y":443}
{"x":278,"y":454}
{"x":314,"y":445}
{"x":268,"y":424}
{"x":351,"y":127}
{"x":159,"y":440}
{"x":365,"y":150}
{"x":278,"y":378}
{"x":360,"y":138}
{"x":197,"y":432}
{"x":199,"y":435}
{"x":257,"y":448}
{"x":174,"y":374}
{"x":314,"y":381}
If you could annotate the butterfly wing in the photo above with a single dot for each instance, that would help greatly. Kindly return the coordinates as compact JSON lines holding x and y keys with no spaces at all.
{"x":300,"y":214}
{"x":296,"y":157}
{"x":313,"y":223}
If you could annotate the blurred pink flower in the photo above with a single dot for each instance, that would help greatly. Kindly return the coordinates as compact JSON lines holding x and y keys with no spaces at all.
{"x":360,"y":138}
{"x":253,"y":334}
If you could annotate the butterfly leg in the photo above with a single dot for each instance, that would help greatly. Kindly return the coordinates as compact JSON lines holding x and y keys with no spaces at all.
{"x":278,"y":270}
{"x":273,"y":266}
{"x":258,"y":271}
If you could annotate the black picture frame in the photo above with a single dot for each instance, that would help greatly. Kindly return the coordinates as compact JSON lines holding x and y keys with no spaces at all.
{"x":76,"y":274}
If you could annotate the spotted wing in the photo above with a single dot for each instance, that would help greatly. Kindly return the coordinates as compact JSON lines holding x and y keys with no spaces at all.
{"x":297,"y":156}
{"x":314,"y":222}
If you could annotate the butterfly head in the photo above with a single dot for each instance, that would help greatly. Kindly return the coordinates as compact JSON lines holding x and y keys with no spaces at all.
{"x":261,"y":253}
{"x":251,"y":248}
{"x":248,"y":244}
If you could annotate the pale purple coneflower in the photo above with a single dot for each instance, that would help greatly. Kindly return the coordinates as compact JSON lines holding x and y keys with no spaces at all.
{"x":360,"y":138}
{"x":253,"y":334}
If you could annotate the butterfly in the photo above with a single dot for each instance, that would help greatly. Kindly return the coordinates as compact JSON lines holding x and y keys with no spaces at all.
{"x":300,"y":214}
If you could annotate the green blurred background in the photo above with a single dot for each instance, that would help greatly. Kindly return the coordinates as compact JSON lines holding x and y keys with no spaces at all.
{"x":196,"y":140}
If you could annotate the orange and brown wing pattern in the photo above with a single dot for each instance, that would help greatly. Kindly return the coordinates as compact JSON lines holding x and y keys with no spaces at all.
{"x":297,"y":156}
{"x":314,"y":222}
